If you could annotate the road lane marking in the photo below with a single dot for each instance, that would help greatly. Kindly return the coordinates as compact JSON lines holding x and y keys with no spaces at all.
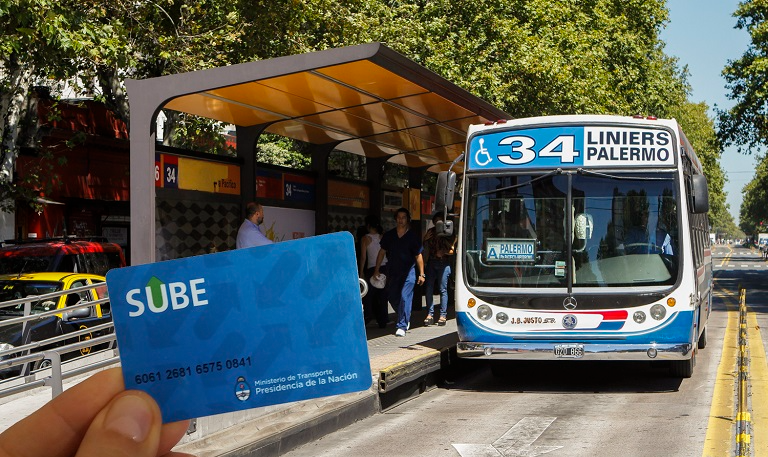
{"x":758,"y":374}
{"x":720,"y":427}
{"x":517,"y":441}
{"x":727,"y":257}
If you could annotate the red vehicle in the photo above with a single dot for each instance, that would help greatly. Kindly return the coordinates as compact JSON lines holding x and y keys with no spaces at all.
{"x":77,"y":255}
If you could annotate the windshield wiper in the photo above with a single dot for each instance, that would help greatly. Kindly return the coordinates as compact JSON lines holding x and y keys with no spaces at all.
{"x":584,"y":172}
{"x":515,"y":186}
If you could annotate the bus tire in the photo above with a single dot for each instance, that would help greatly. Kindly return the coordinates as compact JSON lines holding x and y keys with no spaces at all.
{"x":682,"y":368}
{"x":703,"y":339}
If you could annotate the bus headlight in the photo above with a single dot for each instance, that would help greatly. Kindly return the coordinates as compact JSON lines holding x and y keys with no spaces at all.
{"x":484,"y":312}
{"x":658,"y":312}
{"x":502,"y":318}
{"x":639,"y":317}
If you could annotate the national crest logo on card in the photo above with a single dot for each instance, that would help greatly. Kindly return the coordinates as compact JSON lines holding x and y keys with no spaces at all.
{"x":158,"y":296}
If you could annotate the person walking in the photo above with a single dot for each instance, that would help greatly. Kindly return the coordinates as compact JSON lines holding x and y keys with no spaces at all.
{"x":249,"y":234}
{"x":375,"y":301}
{"x":440,"y":250}
{"x":402,"y":248}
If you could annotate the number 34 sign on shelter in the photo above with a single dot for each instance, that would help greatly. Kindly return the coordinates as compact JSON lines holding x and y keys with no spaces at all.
{"x":239,"y":329}
{"x":174,"y":172}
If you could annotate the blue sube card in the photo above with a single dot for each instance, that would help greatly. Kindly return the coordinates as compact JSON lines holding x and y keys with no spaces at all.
{"x":240,"y":329}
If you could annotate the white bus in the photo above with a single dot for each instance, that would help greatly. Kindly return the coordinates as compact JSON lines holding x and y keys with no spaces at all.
{"x":581,"y":237}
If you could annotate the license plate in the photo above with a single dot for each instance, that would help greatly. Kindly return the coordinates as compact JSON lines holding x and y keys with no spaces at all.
{"x":569,"y":351}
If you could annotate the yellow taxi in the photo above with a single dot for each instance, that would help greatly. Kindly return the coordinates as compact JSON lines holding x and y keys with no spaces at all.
{"x":49,"y":325}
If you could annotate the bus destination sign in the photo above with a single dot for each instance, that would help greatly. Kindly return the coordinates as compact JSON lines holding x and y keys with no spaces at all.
{"x":572,"y":146}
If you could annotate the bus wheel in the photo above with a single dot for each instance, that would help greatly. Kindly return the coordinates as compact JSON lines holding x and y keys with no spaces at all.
{"x":703,"y":339}
{"x":682,"y":368}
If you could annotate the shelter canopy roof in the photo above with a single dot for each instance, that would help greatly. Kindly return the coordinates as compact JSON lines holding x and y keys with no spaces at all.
{"x":367,"y":99}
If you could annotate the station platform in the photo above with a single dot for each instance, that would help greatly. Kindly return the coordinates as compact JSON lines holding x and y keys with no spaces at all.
{"x":401,"y":368}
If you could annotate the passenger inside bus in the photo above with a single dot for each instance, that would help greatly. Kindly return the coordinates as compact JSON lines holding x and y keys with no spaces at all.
{"x":642,"y":238}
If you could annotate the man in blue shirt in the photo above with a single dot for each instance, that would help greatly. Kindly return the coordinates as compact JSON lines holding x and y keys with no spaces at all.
{"x":248,"y":234}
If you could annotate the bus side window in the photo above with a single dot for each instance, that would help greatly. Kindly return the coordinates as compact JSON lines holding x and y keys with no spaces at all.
{"x":97,"y":262}
{"x":66,"y":263}
{"x":113,"y":260}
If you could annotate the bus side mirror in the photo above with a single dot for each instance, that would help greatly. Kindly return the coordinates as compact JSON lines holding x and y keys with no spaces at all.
{"x":446,"y":184}
{"x":699,"y":194}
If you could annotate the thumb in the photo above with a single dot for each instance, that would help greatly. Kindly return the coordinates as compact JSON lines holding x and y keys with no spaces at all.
{"x":129,"y":426}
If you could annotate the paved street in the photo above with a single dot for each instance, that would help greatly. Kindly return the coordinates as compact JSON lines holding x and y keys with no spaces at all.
{"x":580,"y":409}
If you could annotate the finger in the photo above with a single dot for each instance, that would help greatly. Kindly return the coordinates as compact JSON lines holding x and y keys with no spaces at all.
{"x":170,"y":434}
{"x":64,"y":419}
{"x":129,"y":426}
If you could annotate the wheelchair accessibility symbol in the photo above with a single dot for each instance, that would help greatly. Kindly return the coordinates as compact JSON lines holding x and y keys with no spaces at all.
{"x":482,"y":157}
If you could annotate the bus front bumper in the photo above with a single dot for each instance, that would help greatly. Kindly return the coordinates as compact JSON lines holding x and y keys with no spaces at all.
{"x":575,"y":351}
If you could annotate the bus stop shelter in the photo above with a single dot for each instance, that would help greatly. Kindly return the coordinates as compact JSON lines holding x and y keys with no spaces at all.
{"x":366,"y":100}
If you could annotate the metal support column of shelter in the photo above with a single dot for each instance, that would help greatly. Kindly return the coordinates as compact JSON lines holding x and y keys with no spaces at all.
{"x":144,"y":109}
{"x":374,"y":172}
{"x":247,"y":144}
{"x":320,"y":154}
{"x":415,"y":178}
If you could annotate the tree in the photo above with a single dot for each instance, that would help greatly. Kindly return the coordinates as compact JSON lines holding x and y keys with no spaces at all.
{"x":753,"y":207}
{"x":39,"y":40}
{"x":529,"y":57}
{"x":700,"y":130}
{"x":745,"y":125}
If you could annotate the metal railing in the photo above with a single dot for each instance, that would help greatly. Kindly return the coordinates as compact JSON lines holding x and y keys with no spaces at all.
{"x":48,"y":362}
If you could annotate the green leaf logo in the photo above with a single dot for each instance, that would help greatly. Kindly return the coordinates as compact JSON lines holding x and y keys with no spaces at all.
{"x":155,"y":286}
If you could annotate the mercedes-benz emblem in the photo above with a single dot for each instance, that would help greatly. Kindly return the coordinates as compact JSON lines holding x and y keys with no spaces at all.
{"x":569,"y":303}
{"x":569,"y":321}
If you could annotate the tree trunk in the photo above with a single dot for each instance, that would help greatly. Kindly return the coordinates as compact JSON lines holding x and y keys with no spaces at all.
{"x":12,"y":103}
{"x":114,"y":93}
{"x":169,"y":127}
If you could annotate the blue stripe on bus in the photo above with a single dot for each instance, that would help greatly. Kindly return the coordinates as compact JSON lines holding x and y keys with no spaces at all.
{"x":610,"y":325}
{"x":676,"y":330}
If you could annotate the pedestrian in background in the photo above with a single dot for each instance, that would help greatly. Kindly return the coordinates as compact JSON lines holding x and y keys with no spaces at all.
{"x":402,"y":248}
{"x":439,"y":252}
{"x":375,"y":301}
{"x":249,"y":234}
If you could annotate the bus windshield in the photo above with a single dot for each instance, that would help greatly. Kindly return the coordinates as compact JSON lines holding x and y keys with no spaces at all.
{"x":623,"y":230}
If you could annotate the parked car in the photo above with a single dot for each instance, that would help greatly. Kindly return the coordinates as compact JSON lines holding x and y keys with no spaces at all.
{"x":76,"y":255}
{"x":33,"y":284}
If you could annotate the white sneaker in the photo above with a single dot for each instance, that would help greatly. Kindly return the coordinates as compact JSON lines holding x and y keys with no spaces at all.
{"x":400,"y":332}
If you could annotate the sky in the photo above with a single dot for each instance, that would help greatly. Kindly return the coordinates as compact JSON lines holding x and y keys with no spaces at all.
{"x":702,"y":35}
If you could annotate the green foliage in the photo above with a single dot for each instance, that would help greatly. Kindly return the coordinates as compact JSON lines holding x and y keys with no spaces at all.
{"x":529,"y":57}
{"x":395,"y":175}
{"x":745,"y":125}
{"x":700,"y":130}
{"x":282,"y":151}
{"x":753,"y":208}
{"x":199,"y":134}
{"x":347,"y":165}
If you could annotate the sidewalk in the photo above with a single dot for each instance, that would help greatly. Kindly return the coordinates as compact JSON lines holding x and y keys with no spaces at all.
{"x":401,"y":367}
